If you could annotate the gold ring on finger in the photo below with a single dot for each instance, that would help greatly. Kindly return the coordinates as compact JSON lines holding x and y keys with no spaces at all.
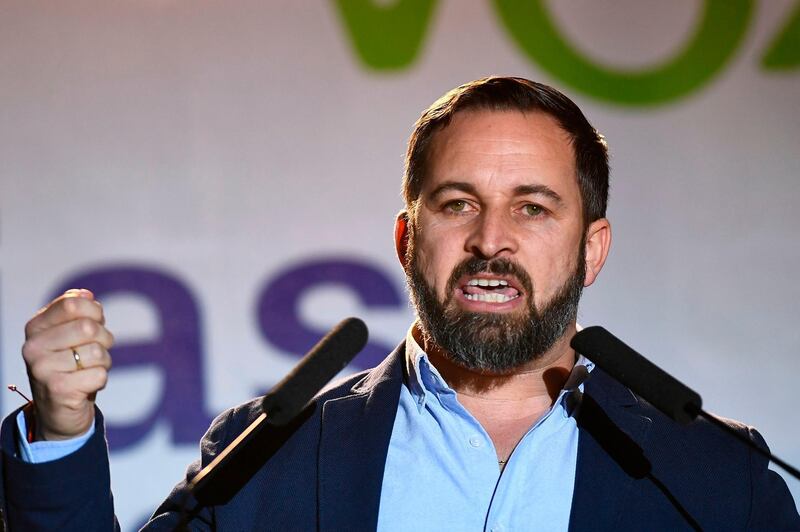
{"x":77,"y":358}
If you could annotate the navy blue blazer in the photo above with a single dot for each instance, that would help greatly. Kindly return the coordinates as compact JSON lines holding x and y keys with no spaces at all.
{"x":636,"y":470}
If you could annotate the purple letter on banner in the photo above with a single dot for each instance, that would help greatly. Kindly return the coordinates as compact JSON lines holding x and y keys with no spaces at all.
{"x":177,"y":352}
{"x":279,"y":315}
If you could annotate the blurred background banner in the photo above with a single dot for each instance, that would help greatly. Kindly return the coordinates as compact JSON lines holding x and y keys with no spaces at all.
{"x":225,"y":175}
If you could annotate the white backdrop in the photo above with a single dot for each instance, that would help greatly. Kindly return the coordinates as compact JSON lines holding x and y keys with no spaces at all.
{"x":233,"y":151}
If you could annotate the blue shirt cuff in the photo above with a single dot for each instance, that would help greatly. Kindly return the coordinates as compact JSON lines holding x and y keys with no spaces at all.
{"x":46,"y":451}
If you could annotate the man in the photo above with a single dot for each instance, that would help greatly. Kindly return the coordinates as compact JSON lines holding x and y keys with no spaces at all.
{"x":484,"y":418}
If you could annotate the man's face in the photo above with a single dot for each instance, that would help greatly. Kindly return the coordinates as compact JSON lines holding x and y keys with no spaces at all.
{"x":495,"y":259}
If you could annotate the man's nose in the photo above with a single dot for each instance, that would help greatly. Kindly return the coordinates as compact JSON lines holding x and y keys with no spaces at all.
{"x":492,"y":235}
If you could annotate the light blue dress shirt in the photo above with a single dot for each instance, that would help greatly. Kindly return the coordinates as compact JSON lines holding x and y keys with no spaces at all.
{"x":46,"y":451}
{"x":441,"y":469}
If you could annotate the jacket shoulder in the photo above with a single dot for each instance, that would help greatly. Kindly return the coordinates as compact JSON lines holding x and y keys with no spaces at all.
{"x":693,"y":468}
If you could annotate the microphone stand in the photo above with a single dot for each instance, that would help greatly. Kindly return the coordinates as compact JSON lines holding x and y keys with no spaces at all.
{"x":283,"y":411}
{"x":666,"y":393}
{"x":766,"y":454}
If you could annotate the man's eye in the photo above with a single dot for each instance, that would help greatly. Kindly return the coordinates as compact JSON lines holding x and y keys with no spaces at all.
{"x":456,"y":206}
{"x":532,"y":210}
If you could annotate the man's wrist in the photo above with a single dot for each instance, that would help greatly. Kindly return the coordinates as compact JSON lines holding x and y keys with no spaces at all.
{"x":38,"y":431}
{"x":37,"y":452}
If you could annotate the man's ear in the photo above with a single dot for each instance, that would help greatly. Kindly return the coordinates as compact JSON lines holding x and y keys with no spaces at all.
{"x":598,"y":243}
{"x":401,"y":236}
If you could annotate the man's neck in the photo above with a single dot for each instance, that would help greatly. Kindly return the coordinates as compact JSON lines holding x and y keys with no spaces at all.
{"x":508,"y":404}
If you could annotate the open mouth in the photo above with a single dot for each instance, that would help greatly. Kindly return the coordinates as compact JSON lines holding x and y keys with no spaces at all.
{"x":489,"y":289}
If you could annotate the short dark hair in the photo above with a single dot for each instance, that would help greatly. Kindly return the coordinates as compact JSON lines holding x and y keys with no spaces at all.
{"x":515,"y":94}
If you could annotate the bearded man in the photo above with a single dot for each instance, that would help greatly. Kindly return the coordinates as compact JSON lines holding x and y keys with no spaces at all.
{"x":484,"y":418}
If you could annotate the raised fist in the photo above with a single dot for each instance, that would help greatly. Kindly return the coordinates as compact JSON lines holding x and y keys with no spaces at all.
{"x":66,"y":354}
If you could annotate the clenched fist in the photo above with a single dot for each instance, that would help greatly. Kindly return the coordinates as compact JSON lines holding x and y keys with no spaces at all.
{"x":63,"y":384}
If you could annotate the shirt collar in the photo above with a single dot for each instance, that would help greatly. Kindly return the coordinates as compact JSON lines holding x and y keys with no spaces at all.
{"x":423,"y":378}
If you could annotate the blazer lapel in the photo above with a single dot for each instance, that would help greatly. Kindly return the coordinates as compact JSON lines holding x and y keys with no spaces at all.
{"x":354,"y":440}
{"x":610,"y":457}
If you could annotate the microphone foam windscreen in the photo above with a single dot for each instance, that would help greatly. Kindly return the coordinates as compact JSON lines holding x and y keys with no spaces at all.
{"x":660,"y":389}
{"x":315,"y":370}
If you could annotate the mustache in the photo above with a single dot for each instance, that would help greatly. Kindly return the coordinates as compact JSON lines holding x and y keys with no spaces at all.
{"x":500,"y":266}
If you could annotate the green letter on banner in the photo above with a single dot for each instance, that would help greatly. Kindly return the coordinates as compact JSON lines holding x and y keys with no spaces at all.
{"x":386,"y":37}
{"x":784,"y":52}
{"x":719,"y":32}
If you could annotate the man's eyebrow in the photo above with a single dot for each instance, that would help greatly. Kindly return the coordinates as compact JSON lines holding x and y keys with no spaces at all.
{"x":454,"y":185}
{"x":521,"y":190}
{"x":538,"y":190}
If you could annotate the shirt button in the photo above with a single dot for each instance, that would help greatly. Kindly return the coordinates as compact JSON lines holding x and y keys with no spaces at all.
{"x":475,"y":441}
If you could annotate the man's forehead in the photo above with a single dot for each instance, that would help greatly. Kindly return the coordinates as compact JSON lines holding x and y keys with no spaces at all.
{"x":488,"y":124}
{"x":511,"y":150}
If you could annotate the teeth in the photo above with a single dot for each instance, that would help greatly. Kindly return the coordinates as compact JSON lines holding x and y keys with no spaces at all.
{"x":489,"y":298}
{"x":487,"y":282}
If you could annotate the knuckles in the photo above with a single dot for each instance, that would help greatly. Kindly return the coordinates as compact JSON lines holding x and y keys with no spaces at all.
{"x":29,"y":328}
{"x":71,"y":306}
{"x":95,"y":353}
{"x":101,"y":312}
{"x":102,"y":379}
{"x":31,"y":350}
{"x":88,"y":328}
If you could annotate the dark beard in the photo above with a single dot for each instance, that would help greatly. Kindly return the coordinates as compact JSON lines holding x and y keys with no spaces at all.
{"x":493,"y":342}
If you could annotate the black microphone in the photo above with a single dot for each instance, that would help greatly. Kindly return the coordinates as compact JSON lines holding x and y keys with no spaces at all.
{"x":320,"y":365}
{"x":659,"y":388}
{"x":285,"y":408}
{"x":656,"y":386}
